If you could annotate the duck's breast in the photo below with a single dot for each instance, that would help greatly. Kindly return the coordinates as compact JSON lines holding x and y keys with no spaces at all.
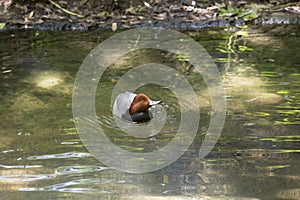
{"x":122,"y":104}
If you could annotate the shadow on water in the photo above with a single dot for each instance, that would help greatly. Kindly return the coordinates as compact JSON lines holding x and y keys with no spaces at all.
{"x":257,"y":155}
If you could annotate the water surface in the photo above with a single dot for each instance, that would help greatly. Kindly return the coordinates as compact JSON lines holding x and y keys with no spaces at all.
{"x":257,"y":155}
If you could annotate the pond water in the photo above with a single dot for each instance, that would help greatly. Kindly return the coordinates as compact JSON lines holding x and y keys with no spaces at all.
{"x":256,"y":157}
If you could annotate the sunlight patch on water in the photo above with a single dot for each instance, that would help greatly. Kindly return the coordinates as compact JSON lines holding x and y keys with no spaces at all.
{"x":48,"y":80}
{"x":248,"y":90}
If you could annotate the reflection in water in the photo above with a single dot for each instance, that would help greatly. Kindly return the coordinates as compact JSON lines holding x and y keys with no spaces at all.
{"x":25,"y":177}
{"x":59,"y":156}
{"x":257,"y":156}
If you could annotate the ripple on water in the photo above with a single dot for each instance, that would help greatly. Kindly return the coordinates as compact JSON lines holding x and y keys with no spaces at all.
{"x":72,"y":190}
{"x":69,"y":143}
{"x":59,"y":156}
{"x":25,"y":177}
{"x":20,"y":166}
{"x":107,"y":121}
{"x":71,"y":186}
{"x":8,"y":151}
{"x":79,"y":169}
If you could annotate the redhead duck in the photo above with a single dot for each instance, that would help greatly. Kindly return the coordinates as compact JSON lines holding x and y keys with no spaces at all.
{"x":133,"y":107}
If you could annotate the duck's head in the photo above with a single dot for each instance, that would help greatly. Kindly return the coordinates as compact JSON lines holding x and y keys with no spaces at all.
{"x":139,"y":108}
{"x":140,"y":103}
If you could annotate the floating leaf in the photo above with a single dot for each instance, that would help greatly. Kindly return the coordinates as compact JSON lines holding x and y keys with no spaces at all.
{"x":226,"y":60}
{"x":291,"y":138}
{"x":288,"y":151}
{"x":2,"y":25}
{"x":261,"y":114}
{"x":284,"y":122}
{"x":272,"y":167}
{"x":182,"y":58}
{"x":268,"y":139}
{"x":244,"y":48}
{"x":287,"y":107}
{"x":288,"y":112}
{"x":212,"y":32}
{"x":243,"y":27}
{"x":242,"y":33}
{"x":223,"y":50}
{"x":268,"y":74}
{"x":130,"y":148}
{"x":184,"y":40}
{"x":283,"y":92}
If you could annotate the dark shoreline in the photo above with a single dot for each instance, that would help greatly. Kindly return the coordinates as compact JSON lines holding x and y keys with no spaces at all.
{"x":36,"y":17}
{"x":177,"y":25}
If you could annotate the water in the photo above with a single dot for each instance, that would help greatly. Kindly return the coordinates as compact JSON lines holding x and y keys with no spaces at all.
{"x":257,"y":155}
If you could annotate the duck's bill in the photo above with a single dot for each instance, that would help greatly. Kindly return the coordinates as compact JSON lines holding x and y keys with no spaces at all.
{"x":152,"y":103}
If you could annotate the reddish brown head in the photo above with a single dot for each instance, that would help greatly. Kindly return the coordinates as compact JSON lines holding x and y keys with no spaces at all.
{"x":140,"y":103}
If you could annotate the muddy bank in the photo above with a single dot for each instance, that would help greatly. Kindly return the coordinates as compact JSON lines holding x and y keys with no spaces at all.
{"x":183,"y":15}
{"x":56,"y":25}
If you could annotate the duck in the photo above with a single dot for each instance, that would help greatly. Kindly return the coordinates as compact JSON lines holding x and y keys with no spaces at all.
{"x":134,"y":107}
